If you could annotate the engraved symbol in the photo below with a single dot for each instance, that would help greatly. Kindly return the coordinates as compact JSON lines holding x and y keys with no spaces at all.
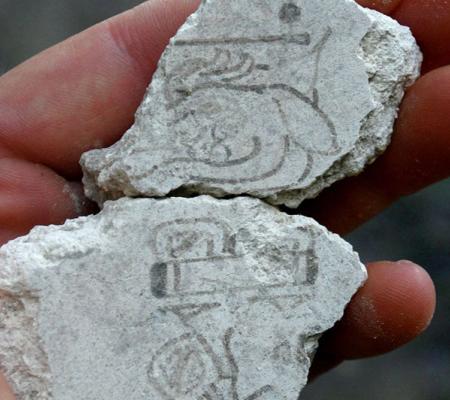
{"x":186,"y":312}
{"x":193,"y":366}
{"x":282,"y":352}
{"x":188,"y":250}
{"x":287,"y":353}
{"x":187,"y":365}
{"x":204,"y":95}
{"x":158,"y":279}
{"x":179,"y":367}
{"x":185,"y":247}
{"x":217,"y":147}
{"x":299,"y":39}
{"x":290,"y":13}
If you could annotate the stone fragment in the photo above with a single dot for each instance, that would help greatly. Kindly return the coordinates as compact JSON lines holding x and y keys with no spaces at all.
{"x":275,"y":99}
{"x":172,"y":299}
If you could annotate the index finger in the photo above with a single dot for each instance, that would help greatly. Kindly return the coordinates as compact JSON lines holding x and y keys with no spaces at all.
{"x":82,"y":93}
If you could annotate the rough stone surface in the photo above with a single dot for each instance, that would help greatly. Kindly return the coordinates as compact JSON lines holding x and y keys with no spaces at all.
{"x":171,"y":299}
{"x":273,"y":99}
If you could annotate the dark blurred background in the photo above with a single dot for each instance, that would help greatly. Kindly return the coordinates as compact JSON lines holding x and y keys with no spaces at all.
{"x":416,"y":228}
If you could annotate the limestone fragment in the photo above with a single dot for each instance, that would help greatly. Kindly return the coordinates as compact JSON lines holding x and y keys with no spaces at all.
{"x":275,"y":99}
{"x":171,"y":299}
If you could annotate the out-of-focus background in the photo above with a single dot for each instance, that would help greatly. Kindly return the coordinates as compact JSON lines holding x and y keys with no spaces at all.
{"x":416,"y":228}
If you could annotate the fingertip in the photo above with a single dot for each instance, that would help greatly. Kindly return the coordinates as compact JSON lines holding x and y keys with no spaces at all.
{"x":429,"y":21}
{"x":384,"y":6}
{"x":396,"y":304}
{"x":404,"y":299}
{"x":418,"y":155}
{"x":143,"y":32}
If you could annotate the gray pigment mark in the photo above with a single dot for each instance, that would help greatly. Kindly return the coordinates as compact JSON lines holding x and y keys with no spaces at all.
{"x":162,"y":380}
{"x":282,"y":352}
{"x":164,"y":374}
{"x":158,"y":279}
{"x":212,"y":393}
{"x":181,"y":366}
{"x":247,"y":72}
{"x":166,"y":275}
{"x":217,"y":291}
{"x":185,"y":312}
{"x":274,"y":299}
{"x":184,"y":243}
{"x":254,"y":152}
{"x":214,"y":357}
{"x":184,"y":360}
{"x":262,"y":67}
{"x":318,"y":49}
{"x":193,"y":346}
{"x":285,"y":352}
{"x":164,"y":232}
{"x":260,"y":392}
{"x":203,"y":259}
{"x":264,"y":296}
{"x":207,"y":396}
{"x":261,"y":89}
{"x":313,"y":267}
{"x":290,"y":13}
{"x":302,"y":39}
{"x":243,"y":58}
{"x":277,"y":168}
{"x":311,"y":100}
{"x":234,"y":368}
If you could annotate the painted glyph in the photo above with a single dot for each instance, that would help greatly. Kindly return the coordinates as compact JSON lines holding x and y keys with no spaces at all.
{"x":174,"y":299}
{"x":266,"y":108}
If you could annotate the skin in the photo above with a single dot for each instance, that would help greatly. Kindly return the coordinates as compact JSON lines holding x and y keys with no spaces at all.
{"x":82,"y":94}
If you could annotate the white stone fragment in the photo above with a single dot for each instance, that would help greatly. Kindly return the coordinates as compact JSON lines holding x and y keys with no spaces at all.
{"x":173,"y":299}
{"x":276,"y":99}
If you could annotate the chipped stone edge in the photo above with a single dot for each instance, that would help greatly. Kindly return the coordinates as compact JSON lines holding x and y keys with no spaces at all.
{"x":27,"y":371}
{"x":373,"y":129}
{"x":33,"y":368}
{"x":30,"y":366}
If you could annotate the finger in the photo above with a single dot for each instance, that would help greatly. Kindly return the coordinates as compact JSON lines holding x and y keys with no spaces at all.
{"x":5,"y":391}
{"x":429,"y":21}
{"x":396,"y":304}
{"x":418,"y":156}
{"x":83,"y":92}
{"x":32,"y":195}
{"x":386,"y":7}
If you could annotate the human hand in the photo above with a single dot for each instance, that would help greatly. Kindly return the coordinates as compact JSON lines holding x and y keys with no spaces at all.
{"x":82,"y":94}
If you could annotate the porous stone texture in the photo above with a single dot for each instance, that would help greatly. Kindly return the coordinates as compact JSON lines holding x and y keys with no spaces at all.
{"x":171,"y":299}
{"x":274,"y":99}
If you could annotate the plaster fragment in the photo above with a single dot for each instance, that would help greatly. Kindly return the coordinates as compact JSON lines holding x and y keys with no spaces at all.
{"x":276,"y":100}
{"x":173,"y":299}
